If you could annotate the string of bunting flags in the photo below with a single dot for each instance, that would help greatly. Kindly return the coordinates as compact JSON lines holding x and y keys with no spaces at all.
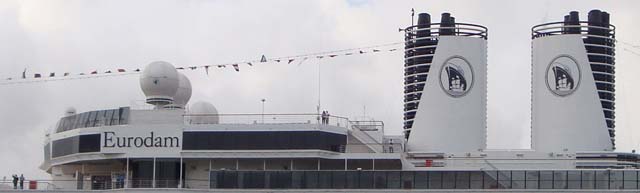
{"x":298,"y":59}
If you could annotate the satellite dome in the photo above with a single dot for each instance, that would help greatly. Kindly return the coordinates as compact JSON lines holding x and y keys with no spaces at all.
{"x":203,"y":113}
{"x":70,"y":111}
{"x":159,"y":82}
{"x":183,"y":95}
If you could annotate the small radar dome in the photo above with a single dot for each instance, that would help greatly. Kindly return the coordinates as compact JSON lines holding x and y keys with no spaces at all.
{"x":70,"y":111}
{"x":159,"y":82}
{"x":203,"y":113}
{"x":183,"y":95}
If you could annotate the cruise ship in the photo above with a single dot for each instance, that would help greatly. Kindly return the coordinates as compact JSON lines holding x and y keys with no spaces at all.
{"x":182,"y":145}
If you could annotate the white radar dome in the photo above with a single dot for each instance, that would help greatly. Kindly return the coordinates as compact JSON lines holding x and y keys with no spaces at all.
{"x":203,"y":113}
{"x":183,"y":95}
{"x":159,"y":82}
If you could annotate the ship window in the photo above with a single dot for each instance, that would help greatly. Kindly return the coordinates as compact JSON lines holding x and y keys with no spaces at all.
{"x":339,"y":179}
{"x":462,"y":180}
{"x":115,"y":119}
{"x":393,"y":180}
{"x":449,"y":180}
{"x":324,"y":180}
{"x":91,"y":120}
{"x":311,"y":179}
{"x":602,"y":179}
{"x":89,"y":143}
{"x":588,"y":179}
{"x":630,"y":179}
{"x":100,"y":118}
{"x":420,"y":181}
{"x":124,"y":115}
{"x":476,"y":180}
{"x":559,"y":179}
{"x":546,"y":179}
{"x":366,"y":179}
{"x":573,"y":179}
{"x":108,"y":116}
{"x":435,"y":180}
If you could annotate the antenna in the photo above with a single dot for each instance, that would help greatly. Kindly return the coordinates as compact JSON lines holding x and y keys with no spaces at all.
{"x":413,"y":13}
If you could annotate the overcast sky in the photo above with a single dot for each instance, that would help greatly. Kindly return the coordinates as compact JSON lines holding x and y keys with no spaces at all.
{"x":82,"y":36}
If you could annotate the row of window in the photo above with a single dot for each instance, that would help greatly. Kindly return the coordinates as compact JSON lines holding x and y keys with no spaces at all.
{"x":575,"y":179}
{"x":108,"y":117}
{"x":75,"y":144}
{"x":255,"y":140}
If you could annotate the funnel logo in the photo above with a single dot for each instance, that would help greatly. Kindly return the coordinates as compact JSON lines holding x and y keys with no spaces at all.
{"x":563,"y":76}
{"x":456,"y":76}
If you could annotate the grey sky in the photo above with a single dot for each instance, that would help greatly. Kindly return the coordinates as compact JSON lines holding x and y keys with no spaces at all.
{"x":82,"y":36}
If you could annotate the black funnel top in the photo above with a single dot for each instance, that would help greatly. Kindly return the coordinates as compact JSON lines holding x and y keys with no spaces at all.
{"x":446,"y":21}
{"x":424,"y":21}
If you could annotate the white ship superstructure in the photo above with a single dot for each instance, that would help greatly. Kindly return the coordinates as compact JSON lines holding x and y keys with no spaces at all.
{"x":194,"y":146}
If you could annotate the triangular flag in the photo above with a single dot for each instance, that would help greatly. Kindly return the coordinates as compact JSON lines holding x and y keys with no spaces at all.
{"x":206,"y":69}
{"x":290,"y":60}
{"x":36,"y":75}
{"x":263,"y":59}
{"x":249,"y":63}
{"x":374,"y":50}
{"x":121,"y":70}
{"x":305,"y":58}
{"x":52,"y":74}
{"x":66,"y":74}
{"x":236,"y":67}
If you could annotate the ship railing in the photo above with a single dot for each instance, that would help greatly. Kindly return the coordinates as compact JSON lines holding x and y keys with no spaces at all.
{"x":434,"y":30}
{"x":299,"y":118}
{"x":581,"y":28}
